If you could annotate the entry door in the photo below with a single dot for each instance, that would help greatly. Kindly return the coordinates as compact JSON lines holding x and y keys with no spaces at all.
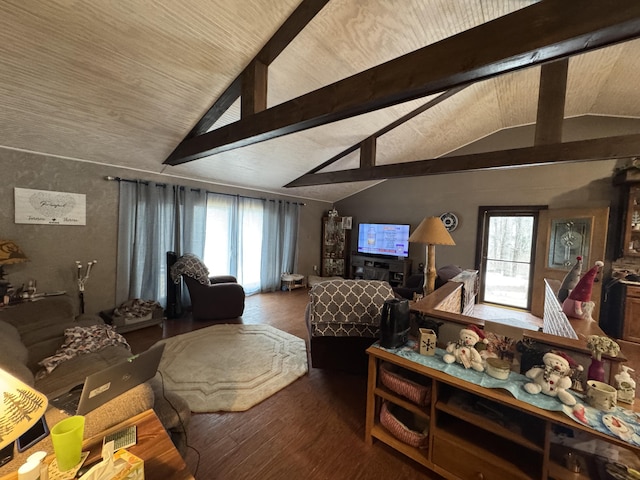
{"x":563,"y":234}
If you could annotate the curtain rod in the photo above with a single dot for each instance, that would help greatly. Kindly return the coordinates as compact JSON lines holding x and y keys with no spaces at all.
{"x":110,"y":178}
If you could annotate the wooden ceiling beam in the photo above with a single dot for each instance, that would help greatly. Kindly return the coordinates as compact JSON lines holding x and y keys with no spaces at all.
{"x":254,"y":89}
{"x":551,"y":100}
{"x":387,"y":128}
{"x":578,"y":151}
{"x":296,"y":22}
{"x":221,"y":105}
{"x":545,"y":31}
{"x":368,"y":152}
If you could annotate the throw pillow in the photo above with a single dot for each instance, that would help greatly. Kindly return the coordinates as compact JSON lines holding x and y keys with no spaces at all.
{"x":447,"y":272}
{"x":191,"y":266}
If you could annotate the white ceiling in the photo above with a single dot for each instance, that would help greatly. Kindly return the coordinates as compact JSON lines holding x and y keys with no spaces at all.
{"x":122,"y":83}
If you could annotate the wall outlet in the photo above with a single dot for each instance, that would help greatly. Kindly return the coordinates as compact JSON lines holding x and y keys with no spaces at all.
{"x":315,"y":268}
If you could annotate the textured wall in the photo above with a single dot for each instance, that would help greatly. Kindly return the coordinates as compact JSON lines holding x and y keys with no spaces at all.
{"x":53,"y":249}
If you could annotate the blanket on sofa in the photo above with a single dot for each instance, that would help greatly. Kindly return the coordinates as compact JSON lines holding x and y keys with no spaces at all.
{"x":80,"y":341}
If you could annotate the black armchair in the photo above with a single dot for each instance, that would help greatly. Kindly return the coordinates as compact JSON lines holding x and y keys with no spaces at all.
{"x":414,"y":283}
{"x":212,"y":298}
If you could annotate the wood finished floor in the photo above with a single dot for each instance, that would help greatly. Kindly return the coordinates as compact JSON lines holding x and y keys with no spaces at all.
{"x":312,"y":429}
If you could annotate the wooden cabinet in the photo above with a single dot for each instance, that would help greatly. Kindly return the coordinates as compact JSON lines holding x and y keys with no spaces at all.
{"x":631,"y":326}
{"x":335,"y":247}
{"x":391,"y":270}
{"x":622,"y":313}
{"x":475,"y":432}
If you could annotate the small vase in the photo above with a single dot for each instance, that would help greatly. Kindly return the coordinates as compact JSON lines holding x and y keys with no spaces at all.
{"x":596,"y":370}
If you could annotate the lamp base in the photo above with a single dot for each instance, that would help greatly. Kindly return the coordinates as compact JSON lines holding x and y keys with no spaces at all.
{"x":430,"y":271}
{"x":5,"y":287}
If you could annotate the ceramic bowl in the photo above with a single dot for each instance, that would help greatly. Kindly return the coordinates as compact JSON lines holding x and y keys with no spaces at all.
{"x":498,"y":368}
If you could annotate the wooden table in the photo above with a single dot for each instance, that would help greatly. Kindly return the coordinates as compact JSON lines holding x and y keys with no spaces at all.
{"x":161,"y":459}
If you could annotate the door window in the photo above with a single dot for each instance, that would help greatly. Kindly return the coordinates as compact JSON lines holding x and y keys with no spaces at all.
{"x":507,"y":255}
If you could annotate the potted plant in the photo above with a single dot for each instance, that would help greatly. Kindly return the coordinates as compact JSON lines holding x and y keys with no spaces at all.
{"x":599,"y":345}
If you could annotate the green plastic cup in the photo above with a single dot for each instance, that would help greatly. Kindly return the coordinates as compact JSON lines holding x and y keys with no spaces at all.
{"x":66,"y":437}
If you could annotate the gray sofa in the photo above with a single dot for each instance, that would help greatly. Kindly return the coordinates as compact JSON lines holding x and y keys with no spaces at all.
{"x":343,"y":319}
{"x":30,"y":332}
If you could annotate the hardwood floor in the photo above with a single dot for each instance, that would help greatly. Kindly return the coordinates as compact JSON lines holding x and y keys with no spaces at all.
{"x":312,"y":429}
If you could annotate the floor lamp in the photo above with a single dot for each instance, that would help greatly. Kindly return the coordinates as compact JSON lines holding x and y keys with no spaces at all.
{"x":431,"y":232}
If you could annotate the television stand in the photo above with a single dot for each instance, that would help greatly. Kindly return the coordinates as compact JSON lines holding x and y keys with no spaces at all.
{"x":392,"y":270}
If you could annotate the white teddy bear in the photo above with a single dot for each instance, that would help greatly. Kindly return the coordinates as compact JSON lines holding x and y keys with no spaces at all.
{"x":554,"y":378}
{"x":463,"y":351}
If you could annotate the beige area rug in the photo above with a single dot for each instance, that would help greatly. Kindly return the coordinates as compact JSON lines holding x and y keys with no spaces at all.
{"x":231,"y":367}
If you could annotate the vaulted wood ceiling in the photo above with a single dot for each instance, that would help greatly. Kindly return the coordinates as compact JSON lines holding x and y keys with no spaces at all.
{"x":123,"y":83}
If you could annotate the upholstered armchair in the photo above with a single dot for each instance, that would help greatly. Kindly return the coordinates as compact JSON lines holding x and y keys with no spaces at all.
{"x":212,"y":298}
{"x":343,"y":318}
{"x":414,"y":283}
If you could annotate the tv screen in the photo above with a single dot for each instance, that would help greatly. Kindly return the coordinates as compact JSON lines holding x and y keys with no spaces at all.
{"x":383,"y":239}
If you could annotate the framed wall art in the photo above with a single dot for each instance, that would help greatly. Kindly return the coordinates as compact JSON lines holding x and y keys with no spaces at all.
{"x":45,"y":207}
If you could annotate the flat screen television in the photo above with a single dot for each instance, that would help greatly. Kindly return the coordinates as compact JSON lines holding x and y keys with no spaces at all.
{"x":383,"y":239}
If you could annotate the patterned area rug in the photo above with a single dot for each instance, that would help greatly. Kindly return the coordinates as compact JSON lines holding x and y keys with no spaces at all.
{"x":231,"y":367}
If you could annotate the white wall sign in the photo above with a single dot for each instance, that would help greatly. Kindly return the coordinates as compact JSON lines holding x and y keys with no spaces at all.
{"x":50,"y":208}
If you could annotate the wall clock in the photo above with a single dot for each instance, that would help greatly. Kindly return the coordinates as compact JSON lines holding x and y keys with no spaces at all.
{"x":450,"y":221}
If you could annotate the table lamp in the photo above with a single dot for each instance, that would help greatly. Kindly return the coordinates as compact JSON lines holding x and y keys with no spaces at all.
{"x":431,"y":232}
{"x":21,"y":408}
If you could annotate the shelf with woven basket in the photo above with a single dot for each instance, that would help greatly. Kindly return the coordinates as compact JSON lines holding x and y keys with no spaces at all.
{"x":437,"y":420}
{"x":404,"y":413}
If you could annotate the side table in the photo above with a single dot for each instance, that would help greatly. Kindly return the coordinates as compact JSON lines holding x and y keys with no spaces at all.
{"x":292,"y":280}
{"x":154,"y":447}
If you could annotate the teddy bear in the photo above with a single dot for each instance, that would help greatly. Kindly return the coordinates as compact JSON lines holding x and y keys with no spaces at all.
{"x":553,"y":378}
{"x":463,"y":351}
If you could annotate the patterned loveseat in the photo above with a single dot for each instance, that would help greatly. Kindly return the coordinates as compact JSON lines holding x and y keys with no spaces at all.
{"x":342,"y":318}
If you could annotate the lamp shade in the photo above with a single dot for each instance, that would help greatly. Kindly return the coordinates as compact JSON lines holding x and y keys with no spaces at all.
{"x":11,"y":253}
{"x":432,"y":232}
{"x":21,"y":408}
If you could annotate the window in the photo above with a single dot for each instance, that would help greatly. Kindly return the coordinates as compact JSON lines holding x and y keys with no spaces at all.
{"x":233,"y":240}
{"x":253,"y":239}
{"x":507,"y":238}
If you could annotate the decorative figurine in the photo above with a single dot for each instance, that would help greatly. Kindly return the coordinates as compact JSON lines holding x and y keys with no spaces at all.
{"x":625,"y":385}
{"x":570,"y":280}
{"x":463,"y":351}
{"x":553,"y":378}
{"x":428,"y":341}
{"x":578,"y":304}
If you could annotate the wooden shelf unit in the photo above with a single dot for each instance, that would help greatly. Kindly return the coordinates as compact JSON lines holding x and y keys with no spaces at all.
{"x":497,"y":435}
{"x":334,"y":260}
{"x":394,"y":271}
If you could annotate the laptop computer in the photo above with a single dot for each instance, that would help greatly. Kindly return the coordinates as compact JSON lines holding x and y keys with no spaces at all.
{"x":102,"y":386}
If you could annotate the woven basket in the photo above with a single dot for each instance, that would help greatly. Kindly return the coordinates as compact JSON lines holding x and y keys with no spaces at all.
{"x":396,"y":380}
{"x":389,"y":414}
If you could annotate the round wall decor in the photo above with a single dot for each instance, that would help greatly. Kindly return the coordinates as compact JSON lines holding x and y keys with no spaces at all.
{"x":450,"y":221}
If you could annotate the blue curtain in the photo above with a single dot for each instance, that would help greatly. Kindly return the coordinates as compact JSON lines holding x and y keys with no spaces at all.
{"x":253,"y":239}
{"x":154,"y":219}
{"x":279,"y":242}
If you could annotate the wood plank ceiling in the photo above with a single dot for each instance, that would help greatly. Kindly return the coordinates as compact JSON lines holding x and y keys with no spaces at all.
{"x":123,"y":83}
